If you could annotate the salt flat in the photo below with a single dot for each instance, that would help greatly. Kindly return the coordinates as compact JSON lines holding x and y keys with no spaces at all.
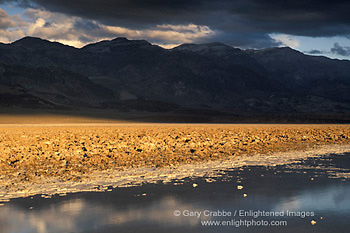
{"x":49,"y":158}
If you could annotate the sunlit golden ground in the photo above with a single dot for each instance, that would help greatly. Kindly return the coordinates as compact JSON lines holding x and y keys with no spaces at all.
{"x":68,"y":152}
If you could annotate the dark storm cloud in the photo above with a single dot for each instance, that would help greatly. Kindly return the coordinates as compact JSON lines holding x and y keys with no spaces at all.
{"x":87,"y":25}
{"x":340,"y":50}
{"x":240,"y":19}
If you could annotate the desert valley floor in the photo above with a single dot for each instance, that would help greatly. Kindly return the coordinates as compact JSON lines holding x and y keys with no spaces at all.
{"x":49,"y":158}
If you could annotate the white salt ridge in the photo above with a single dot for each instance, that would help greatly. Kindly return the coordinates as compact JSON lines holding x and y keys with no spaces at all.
{"x":102,"y":180}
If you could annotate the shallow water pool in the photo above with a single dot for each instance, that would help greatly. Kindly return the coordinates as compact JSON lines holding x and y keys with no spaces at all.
{"x":309,"y":196}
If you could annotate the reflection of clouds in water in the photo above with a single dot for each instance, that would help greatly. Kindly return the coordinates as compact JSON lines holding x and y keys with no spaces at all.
{"x":72,"y":207}
{"x":330,"y":198}
{"x":81,"y":215}
{"x":61,"y":218}
{"x":17,"y":220}
{"x":159,"y":213}
{"x":77,"y":215}
{"x":288,"y":204}
{"x":12,"y":221}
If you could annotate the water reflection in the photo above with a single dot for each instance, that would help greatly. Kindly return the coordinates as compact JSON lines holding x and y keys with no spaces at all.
{"x":330,"y":198}
{"x":127,"y":210}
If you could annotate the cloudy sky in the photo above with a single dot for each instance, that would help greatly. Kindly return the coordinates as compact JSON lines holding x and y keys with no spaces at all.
{"x":319,"y":27}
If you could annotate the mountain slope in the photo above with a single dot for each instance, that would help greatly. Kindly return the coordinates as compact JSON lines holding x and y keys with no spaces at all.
{"x":227,"y":53}
{"x":119,"y":72}
{"x":147,"y":71}
{"x":53,"y":85}
{"x":311,"y":75}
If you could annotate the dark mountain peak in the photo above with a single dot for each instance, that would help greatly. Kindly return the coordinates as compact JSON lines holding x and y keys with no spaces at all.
{"x":35,"y":42}
{"x":107,"y":45}
{"x":215,"y":48}
{"x":204,"y":47}
{"x":286,"y":50}
{"x":276,"y":50}
{"x":123,"y":40}
{"x":229,"y":54}
{"x":29,"y":41}
{"x":209,"y":45}
{"x":120,"y":39}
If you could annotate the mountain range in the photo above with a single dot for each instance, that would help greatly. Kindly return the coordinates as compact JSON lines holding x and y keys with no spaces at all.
{"x":134,"y":74}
